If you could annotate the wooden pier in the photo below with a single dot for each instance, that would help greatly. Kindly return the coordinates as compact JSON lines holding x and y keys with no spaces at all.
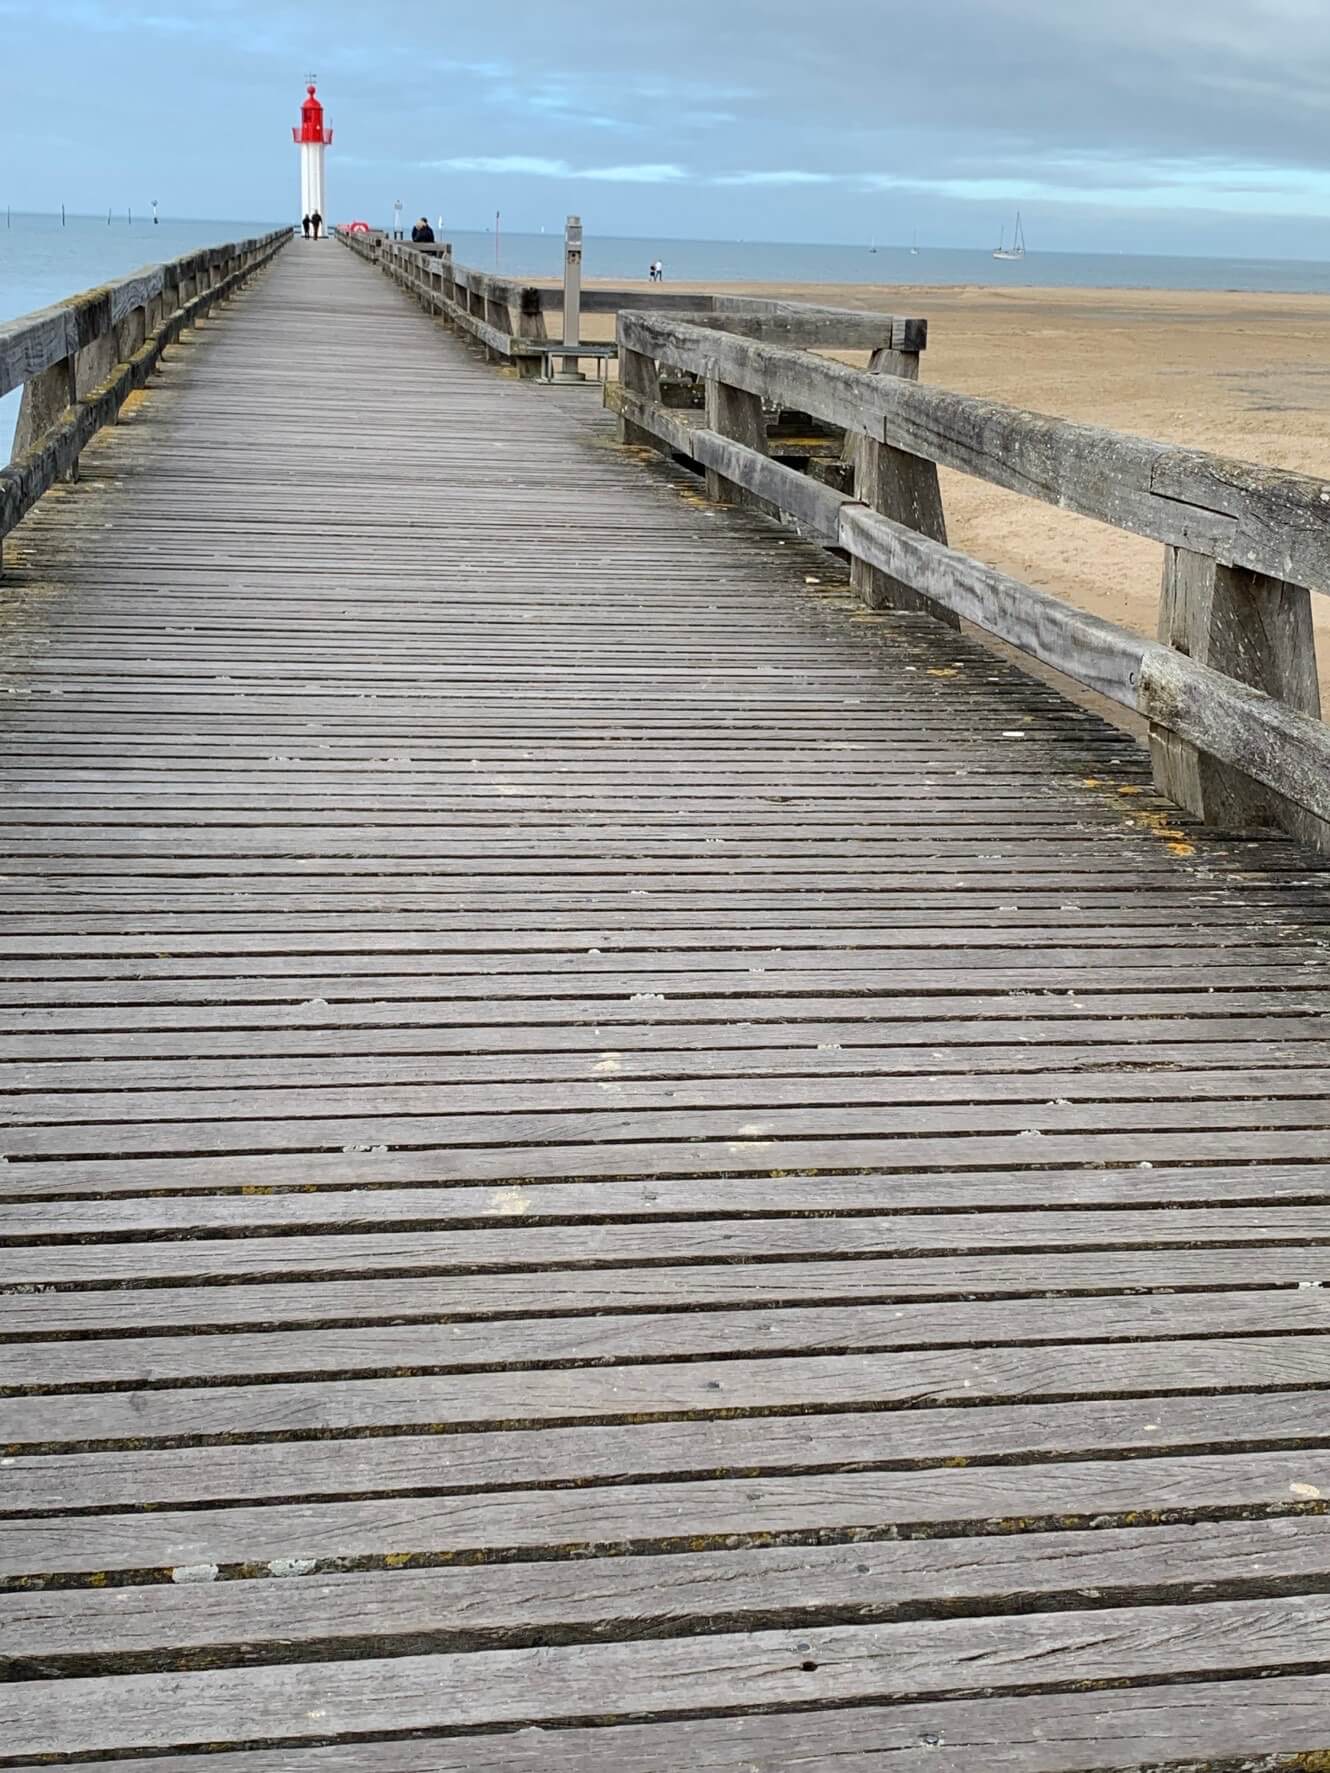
{"x":620,"y":1155}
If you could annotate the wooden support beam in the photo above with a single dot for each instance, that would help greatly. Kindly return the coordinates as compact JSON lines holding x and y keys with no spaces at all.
{"x":638,"y":375}
{"x":530,"y":319}
{"x":1265,"y":519}
{"x":45,"y":397}
{"x":737,"y":415}
{"x":901,"y":486}
{"x":808,"y":327}
{"x":1257,"y":630}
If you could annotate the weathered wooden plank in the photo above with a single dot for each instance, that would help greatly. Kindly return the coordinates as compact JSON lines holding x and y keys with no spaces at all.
{"x":699,"y":1447}
{"x":608,"y":1086}
{"x":441,"y":1610}
{"x":184,"y":1137}
{"x":320,"y":1204}
{"x":670,"y":1335}
{"x":1087,"y":648}
{"x":509,"y":1245}
{"x":668,"y":1518}
{"x":502,"y":1398}
{"x":1250,"y":1726}
{"x":35,"y":343}
{"x":663,"y":1677}
{"x":811,"y":326}
{"x":301,"y":1300}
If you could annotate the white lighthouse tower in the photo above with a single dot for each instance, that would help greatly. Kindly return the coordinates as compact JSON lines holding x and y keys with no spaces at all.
{"x":311,"y":137}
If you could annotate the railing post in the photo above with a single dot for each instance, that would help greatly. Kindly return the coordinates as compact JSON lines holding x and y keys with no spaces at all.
{"x":734,"y":413}
{"x":44,"y":398}
{"x":900,"y":486}
{"x":131,"y":331}
{"x":570,"y":367}
{"x":529,"y":320}
{"x":1252,"y":628}
{"x":640,"y":375}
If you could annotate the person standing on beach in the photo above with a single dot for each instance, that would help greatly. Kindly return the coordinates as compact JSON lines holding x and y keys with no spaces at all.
{"x":304,"y":223}
{"x":316,"y":223}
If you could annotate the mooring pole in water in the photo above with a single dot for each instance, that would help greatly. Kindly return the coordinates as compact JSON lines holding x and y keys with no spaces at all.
{"x":572,"y":297}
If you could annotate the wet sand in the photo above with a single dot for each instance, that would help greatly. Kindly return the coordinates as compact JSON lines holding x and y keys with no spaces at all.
{"x":1242,"y":374}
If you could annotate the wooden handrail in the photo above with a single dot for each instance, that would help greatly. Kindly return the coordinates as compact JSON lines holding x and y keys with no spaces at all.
{"x":37,"y":341}
{"x":1230,"y":686}
{"x":77,"y":360}
{"x":1266,"y":519}
{"x":465,"y":295}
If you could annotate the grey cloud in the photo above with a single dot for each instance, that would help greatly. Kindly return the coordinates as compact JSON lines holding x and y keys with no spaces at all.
{"x":726,"y":116}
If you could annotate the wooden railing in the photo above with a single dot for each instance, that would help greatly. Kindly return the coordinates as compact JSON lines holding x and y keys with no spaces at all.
{"x":511,"y":318}
{"x":77,"y":361}
{"x":1230,"y":687}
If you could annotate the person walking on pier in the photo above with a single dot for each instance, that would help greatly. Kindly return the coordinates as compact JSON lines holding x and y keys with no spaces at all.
{"x":316,"y":224}
{"x":422,"y":233}
{"x":304,"y":224}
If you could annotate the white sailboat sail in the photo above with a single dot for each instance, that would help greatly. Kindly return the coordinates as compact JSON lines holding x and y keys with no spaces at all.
{"x":1017,"y":248}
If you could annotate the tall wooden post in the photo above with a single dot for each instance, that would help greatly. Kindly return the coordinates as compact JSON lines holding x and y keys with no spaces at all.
{"x":735,"y":413}
{"x":900,"y":486}
{"x":1259,"y":631}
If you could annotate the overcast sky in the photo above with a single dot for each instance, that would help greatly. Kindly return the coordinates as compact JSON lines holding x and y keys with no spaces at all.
{"x":1147,"y":125}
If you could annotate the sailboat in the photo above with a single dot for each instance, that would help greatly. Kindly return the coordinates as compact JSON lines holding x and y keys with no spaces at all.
{"x":914,"y":244}
{"x":1017,"y":248}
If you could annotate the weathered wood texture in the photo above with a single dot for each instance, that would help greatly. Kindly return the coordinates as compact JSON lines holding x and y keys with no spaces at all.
{"x":903,"y":487}
{"x":1239,"y":759}
{"x":1259,"y":631}
{"x":1264,"y":519}
{"x":78,"y":361}
{"x":610,"y":1160}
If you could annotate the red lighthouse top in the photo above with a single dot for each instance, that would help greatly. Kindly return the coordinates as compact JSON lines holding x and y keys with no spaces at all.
{"x":311,"y":121}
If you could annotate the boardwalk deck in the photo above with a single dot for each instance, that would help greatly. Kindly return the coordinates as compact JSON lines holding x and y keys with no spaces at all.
{"x":610,"y":1162}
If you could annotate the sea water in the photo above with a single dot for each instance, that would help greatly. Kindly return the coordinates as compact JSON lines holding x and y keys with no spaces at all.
{"x":768,"y":261}
{"x":43,"y":260}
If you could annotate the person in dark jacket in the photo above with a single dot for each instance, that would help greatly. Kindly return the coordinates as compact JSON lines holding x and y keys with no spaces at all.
{"x":316,"y":224}
{"x":304,"y":223}
{"x":422,"y":232}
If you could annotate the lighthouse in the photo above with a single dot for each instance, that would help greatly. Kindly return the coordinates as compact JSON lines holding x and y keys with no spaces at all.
{"x":311,"y":137}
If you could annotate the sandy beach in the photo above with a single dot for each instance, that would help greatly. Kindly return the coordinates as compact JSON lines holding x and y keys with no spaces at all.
{"x":1245,"y":375}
